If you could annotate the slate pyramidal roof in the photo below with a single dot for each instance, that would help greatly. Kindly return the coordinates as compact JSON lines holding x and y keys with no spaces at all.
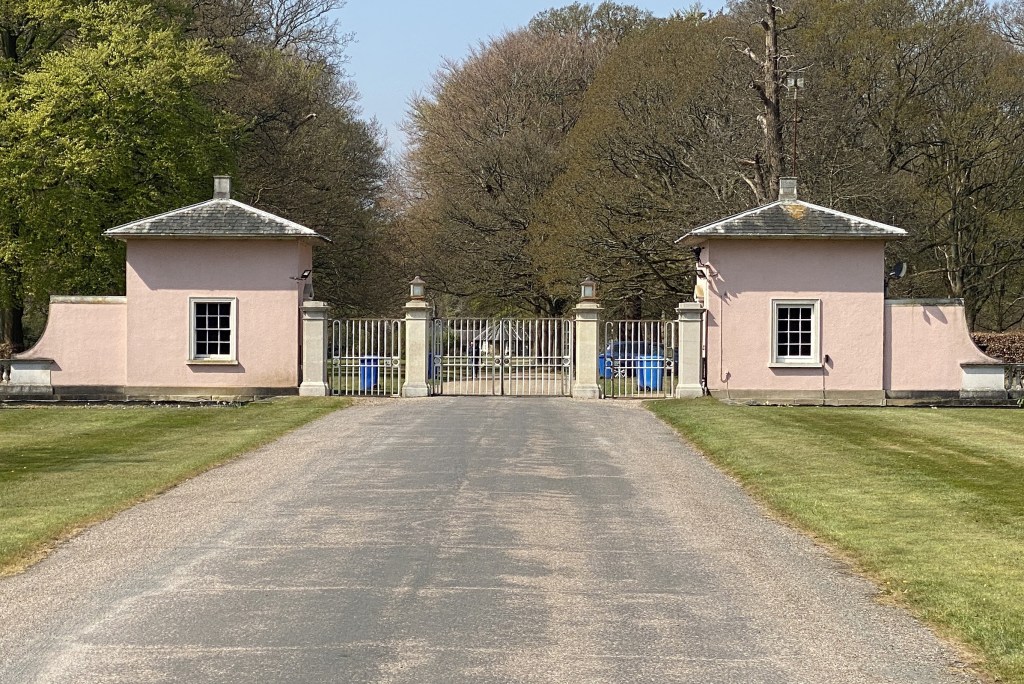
{"x":220,"y":217}
{"x":790,"y":218}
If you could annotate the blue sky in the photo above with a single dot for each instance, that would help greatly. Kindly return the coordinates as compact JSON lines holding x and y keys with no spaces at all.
{"x":399,"y":44}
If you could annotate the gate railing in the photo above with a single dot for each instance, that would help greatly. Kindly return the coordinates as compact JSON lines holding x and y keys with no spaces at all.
{"x":366,"y":357}
{"x":638,"y":358}
{"x":514,"y":357}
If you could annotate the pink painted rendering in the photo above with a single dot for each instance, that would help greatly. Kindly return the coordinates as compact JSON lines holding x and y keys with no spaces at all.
{"x":926,"y":343}
{"x":87,"y":339}
{"x":844,"y":276}
{"x":162,"y":276}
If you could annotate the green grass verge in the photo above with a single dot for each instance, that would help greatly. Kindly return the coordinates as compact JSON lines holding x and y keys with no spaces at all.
{"x":928,"y":502}
{"x":62,"y":468}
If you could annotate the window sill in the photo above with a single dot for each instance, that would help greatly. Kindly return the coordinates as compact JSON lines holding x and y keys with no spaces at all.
{"x":796,"y":364}
{"x":211,"y":362}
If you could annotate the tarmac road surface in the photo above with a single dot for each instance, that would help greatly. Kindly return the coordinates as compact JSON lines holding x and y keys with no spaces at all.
{"x":458,"y":540}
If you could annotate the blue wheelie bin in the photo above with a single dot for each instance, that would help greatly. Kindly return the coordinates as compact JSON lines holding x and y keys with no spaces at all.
{"x":650,"y":369}
{"x":369,"y":372}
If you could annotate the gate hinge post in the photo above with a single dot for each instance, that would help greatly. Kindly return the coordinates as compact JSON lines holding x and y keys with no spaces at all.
{"x":314,"y":350}
{"x":691,"y":337}
{"x":588,"y":316}
{"x":418,"y":314}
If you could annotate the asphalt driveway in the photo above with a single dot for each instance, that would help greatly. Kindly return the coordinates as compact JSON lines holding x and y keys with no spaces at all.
{"x":458,"y":540}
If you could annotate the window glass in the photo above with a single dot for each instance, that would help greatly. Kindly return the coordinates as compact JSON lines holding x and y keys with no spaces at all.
{"x":212,"y":329}
{"x":795,"y":331}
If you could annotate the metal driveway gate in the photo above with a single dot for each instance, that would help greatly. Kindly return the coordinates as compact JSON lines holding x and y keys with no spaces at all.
{"x":638,"y":359}
{"x":505,"y":356}
{"x":366,"y":357}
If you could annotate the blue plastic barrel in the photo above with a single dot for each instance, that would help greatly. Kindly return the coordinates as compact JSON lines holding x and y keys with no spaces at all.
{"x":649,"y":371}
{"x":369,"y":372}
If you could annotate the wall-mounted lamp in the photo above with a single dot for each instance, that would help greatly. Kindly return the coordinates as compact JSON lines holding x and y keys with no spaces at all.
{"x":417,"y":289}
{"x":305,"y":275}
{"x":588,"y":290}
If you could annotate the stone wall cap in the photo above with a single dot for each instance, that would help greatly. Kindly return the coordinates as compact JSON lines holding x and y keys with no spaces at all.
{"x":988,"y":364}
{"x":87,"y":299}
{"x":925,"y":301}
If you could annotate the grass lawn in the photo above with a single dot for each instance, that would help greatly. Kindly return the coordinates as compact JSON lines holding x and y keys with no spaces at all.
{"x":64,"y":467}
{"x":929,"y":502}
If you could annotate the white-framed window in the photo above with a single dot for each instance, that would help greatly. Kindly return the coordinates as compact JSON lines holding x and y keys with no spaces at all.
{"x":213,"y":330}
{"x":796,"y":326}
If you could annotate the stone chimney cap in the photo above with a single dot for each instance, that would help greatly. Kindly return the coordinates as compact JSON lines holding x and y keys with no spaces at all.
{"x":222,"y":187}
{"x":787,"y":189}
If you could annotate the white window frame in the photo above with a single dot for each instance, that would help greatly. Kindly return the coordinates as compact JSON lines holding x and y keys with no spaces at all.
{"x":230,"y":358}
{"x":814,"y":359}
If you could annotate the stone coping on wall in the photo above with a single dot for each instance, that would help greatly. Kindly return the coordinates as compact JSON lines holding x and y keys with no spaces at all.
{"x":933,"y":301}
{"x":87,"y":299}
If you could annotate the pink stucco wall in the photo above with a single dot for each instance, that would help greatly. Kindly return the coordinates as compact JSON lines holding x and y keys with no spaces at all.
{"x":163,"y":274}
{"x":926,"y":341}
{"x":746,"y":275}
{"x":85,"y":336}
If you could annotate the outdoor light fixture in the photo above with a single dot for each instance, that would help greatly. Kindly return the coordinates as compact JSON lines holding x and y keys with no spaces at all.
{"x":794,"y":81}
{"x":588,"y":290}
{"x":417,"y":289}
{"x":305,"y":275}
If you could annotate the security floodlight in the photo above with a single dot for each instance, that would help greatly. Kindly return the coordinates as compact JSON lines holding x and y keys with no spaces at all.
{"x":794,"y":82}
{"x":305,"y":275}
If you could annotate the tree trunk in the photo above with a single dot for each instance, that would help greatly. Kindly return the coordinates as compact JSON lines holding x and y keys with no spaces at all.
{"x":12,"y":332}
{"x":13,"y":329}
{"x":772,"y":79}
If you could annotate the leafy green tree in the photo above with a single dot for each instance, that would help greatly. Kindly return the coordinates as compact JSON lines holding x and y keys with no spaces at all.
{"x":486,"y":145}
{"x":101,"y":125}
{"x":304,"y":153}
{"x":648,"y":157}
{"x":916,"y":111}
